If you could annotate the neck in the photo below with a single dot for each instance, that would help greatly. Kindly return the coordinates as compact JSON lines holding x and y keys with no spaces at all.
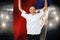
{"x":33,"y":13}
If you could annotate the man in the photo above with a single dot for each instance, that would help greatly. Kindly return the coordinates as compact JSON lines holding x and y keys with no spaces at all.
{"x":33,"y":20}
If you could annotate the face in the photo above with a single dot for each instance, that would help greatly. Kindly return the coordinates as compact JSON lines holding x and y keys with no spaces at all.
{"x":32,"y":10}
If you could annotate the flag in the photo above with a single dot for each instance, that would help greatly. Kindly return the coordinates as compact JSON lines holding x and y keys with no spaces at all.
{"x":19,"y":23}
{"x":40,"y":3}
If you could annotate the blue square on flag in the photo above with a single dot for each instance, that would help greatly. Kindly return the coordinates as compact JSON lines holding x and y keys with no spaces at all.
{"x":40,"y":3}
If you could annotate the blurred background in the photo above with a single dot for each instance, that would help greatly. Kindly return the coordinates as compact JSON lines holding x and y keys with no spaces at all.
{"x":6,"y":12}
{"x":6,"y":20}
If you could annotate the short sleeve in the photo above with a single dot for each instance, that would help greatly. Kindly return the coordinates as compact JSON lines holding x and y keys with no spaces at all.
{"x":41,"y":13}
{"x":24,"y":14}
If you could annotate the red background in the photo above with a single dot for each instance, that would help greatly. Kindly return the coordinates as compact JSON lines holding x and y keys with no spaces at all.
{"x":19,"y":23}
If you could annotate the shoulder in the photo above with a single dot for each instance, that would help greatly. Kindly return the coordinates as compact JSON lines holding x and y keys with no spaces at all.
{"x":39,"y":10}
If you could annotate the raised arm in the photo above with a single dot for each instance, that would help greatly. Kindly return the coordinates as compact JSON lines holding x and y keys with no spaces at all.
{"x":20,"y":8}
{"x":45,"y":5}
{"x":19,"y":5}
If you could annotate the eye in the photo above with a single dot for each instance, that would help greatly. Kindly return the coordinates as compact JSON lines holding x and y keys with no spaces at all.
{"x":30,"y":9}
{"x":33,"y":9}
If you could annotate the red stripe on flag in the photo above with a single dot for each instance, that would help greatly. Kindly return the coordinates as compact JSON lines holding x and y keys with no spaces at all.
{"x":19,"y":23}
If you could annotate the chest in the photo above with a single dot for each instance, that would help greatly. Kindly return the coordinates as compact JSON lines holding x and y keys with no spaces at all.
{"x":34,"y":18}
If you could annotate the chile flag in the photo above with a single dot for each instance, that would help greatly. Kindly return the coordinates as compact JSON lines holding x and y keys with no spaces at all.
{"x":19,"y":23}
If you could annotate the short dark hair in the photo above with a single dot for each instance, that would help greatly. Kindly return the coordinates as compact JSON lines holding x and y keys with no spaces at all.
{"x":33,"y":6}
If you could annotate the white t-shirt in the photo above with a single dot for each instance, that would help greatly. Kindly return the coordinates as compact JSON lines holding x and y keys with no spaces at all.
{"x":33,"y":22}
